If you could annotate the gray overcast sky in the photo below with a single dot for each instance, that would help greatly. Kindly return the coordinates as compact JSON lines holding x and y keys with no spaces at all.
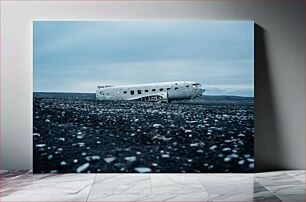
{"x":76,"y":56}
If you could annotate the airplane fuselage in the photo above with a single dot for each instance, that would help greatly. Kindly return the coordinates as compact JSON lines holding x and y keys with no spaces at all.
{"x":177,"y":90}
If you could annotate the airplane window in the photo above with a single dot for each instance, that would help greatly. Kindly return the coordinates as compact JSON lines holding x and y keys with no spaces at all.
{"x":146,"y":91}
{"x":187,"y":86}
{"x":132,"y":92}
{"x":176,"y":88}
{"x":139,"y":91}
{"x":153,"y":89}
{"x":161,"y":89}
{"x":168,"y":88}
{"x":124,"y":92}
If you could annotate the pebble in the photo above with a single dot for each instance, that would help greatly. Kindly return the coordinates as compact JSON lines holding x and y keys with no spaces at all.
{"x":82,"y":168}
{"x":143,"y":169}
{"x":157,"y":125}
{"x":109,"y":160}
{"x":92,"y":158}
{"x":130,"y":158}
{"x":53,"y":171}
{"x":213,"y":147}
{"x":241,"y":162}
{"x":250,"y":160}
{"x":161,"y":137}
{"x":63,"y":163}
{"x":234,"y":156}
{"x":191,"y":122}
{"x":200,"y":126}
{"x":227,"y":159}
{"x":40,"y":145}
{"x":194,"y":144}
{"x":226,"y":149}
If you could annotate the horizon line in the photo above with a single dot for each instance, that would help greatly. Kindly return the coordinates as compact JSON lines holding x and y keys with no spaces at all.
{"x":95,"y":93}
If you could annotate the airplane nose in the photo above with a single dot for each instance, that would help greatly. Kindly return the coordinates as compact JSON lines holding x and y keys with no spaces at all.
{"x":201,"y":91}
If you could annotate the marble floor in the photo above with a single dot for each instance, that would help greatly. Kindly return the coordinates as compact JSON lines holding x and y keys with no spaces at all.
{"x":286,"y":186}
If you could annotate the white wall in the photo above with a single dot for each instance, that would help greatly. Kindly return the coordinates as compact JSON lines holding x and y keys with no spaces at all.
{"x":279,"y":74}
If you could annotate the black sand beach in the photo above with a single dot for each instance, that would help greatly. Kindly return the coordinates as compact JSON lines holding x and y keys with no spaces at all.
{"x":76,"y":133}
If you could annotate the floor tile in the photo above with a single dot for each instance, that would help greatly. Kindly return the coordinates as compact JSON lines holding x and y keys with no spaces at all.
{"x":245,"y":198}
{"x":48,"y":184}
{"x":230,"y":197}
{"x":286,"y":186}
{"x":176,"y":184}
{"x":298,"y":175}
{"x":235,"y":184}
{"x":150,"y":198}
{"x":272,"y":175}
{"x":121,"y":184}
{"x":265,"y":198}
{"x":260,"y":189}
{"x":43,"y":198}
{"x":291,"y":197}
{"x":282,"y":183}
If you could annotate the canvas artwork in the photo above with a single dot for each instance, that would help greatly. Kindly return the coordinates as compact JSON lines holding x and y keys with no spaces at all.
{"x":143,"y":96}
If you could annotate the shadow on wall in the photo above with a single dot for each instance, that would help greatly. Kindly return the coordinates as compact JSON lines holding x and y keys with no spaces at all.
{"x":267,"y":135}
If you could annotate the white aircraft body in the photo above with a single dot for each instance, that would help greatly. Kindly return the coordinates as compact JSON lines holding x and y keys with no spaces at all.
{"x":155,"y":92}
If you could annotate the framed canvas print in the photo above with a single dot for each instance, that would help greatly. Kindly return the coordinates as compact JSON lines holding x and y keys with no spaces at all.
{"x":143,"y":96}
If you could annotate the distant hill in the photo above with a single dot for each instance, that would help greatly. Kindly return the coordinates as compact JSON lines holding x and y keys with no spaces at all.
{"x":65,"y":95}
{"x":219,"y":99}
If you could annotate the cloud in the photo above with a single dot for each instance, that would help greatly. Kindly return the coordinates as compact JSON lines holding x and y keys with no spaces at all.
{"x":78,"y":56}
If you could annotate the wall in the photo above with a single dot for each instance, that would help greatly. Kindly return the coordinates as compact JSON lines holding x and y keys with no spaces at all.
{"x":279,"y":74}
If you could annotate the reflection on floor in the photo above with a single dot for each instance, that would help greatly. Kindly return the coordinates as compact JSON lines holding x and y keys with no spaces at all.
{"x":270,"y":186}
